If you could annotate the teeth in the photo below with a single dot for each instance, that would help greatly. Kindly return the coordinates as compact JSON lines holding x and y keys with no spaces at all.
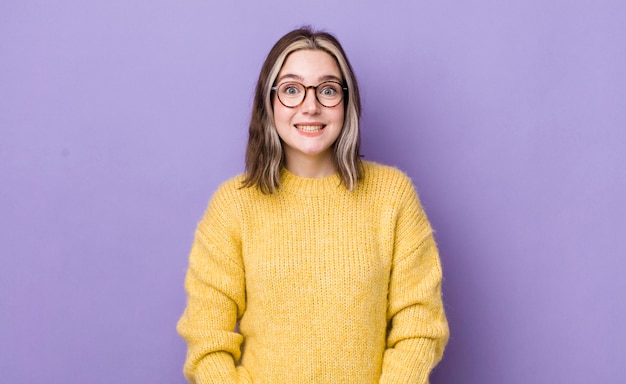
{"x":309,"y":128}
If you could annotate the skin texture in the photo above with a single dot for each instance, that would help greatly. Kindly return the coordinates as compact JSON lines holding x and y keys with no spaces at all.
{"x":309,"y":130}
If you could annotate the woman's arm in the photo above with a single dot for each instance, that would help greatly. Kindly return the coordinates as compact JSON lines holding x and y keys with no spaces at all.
{"x":418,"y":330}
{"x":215,"y":285}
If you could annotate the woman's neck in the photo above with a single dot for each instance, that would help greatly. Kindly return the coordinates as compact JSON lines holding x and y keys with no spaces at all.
{"x":303,"y":166}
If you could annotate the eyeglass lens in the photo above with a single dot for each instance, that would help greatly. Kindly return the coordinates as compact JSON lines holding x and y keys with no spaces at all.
{"x":292,"y":94}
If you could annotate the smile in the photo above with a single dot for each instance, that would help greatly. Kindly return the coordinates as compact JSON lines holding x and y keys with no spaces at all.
{"x":310,"y":128}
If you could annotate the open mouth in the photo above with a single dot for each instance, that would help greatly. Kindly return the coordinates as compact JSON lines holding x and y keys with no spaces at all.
{"x":310,"y":128}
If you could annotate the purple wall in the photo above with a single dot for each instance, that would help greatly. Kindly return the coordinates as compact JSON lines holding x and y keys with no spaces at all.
{"x":118,"y":119}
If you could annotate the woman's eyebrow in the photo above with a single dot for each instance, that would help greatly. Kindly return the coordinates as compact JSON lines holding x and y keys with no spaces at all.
{"x":289,"y":76}
{"x":330,"y":77}
{"x":300,"y":78}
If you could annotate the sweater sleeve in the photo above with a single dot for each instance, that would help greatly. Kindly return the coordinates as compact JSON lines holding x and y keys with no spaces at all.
{"x":418,"y":329}
{"x":215,"y":286}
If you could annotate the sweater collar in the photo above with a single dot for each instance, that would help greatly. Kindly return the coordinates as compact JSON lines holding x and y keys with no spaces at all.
{"x":310,"y":186}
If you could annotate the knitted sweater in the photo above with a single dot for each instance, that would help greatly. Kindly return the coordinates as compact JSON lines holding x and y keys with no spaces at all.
{"x":326,"y":285}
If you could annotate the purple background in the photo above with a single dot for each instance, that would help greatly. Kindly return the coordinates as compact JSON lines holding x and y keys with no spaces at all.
{"x":118,"y":119}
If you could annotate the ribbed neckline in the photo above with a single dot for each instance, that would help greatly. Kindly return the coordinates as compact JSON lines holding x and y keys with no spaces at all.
{"x":310,"y":186}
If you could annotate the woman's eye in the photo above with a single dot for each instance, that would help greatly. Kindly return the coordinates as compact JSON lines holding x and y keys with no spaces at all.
{"x":291,"y":90}
{"x":328,"y":91}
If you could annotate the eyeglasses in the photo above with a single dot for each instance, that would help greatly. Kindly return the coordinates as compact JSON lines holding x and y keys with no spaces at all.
{"x":291,"y":94}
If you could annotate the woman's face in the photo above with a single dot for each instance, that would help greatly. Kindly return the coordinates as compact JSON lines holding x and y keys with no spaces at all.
{"x":309,"y":130}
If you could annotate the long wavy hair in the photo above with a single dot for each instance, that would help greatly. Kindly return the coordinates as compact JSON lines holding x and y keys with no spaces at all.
{"x":264,"y":153}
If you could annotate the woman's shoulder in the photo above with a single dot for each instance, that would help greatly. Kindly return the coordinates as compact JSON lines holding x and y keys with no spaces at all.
{"x":230,"y":197}
{"x":386,"y":182}
{"x":233,"y":183}
{"x":232,"y":188}
{"x":376,"y":173}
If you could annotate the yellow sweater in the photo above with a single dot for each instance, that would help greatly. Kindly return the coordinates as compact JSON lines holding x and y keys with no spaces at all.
{"x":328,"y":286}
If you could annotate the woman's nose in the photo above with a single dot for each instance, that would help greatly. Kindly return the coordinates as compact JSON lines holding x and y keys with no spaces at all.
{"x":310,"y":103}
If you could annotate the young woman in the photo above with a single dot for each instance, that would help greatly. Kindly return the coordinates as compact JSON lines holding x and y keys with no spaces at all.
{"x":313,"y":266}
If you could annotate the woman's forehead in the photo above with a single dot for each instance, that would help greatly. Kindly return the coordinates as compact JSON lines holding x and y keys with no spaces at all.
{"x":308,"y":64}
